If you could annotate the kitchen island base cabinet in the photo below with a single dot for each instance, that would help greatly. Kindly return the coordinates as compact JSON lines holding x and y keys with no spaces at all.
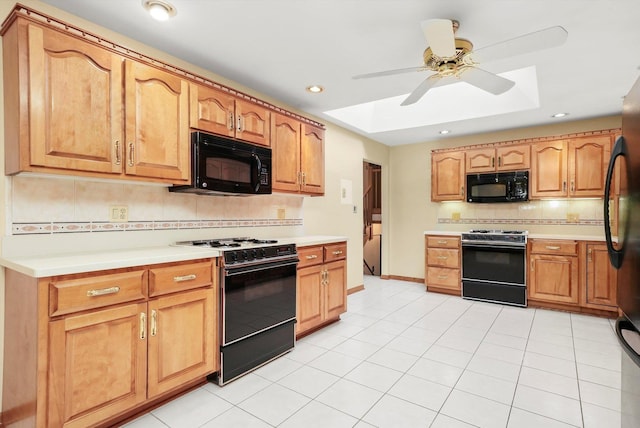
{"x":102,"y":359}
{"x":321,"y":286}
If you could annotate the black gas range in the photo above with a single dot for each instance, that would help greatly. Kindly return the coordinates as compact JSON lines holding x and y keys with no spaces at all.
{"x":494,"y":266}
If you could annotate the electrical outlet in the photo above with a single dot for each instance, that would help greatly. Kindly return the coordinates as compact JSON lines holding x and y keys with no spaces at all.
{"x":118,"y":214}
{"x":455,"y":216}
{"x":281,"y":213}
{"x":573,"y":217}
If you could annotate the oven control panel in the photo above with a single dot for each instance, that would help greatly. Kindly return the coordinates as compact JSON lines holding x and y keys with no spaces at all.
{"x":243,"y":255}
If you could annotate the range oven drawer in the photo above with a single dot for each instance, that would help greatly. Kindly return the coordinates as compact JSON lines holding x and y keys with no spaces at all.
{"x":492,"y":292}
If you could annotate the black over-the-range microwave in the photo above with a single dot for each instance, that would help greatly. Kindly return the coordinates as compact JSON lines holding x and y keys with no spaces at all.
{"x":498,"y":187}
{"x":222,"y":166}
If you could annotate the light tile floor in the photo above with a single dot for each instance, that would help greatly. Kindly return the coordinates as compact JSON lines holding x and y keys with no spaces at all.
{"x":402,"y":357}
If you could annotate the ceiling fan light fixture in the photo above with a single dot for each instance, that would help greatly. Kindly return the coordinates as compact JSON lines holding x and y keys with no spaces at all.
{"x":559,"y":115}
{"x":159,"y":10}
{"x":314,"y":89}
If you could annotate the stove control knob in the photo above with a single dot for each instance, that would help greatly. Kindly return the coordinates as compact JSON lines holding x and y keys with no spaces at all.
{"x":234,"y":256}
{"x":254,"y":254}
{"x":263,"y":252}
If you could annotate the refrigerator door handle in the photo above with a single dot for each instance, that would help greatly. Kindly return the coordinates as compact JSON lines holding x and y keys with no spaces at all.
{"x":623,"y":324}
{"x":615,"y":256}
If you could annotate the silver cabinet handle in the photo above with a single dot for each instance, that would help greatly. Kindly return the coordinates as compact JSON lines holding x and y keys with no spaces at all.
{"x":442,"y":242}
{"x":131,"y":153}
{"x":311,"y":257}
{"x":103,"y":291}
{"x":143,"y":325}
{"x":552,"y":247}
{"x":442,"y":257}
{"x":337,"y":252}
{"x":443,"y":276}
{"x":154,"y":322}
{"x":184,"y":278}
{"x":117,"y":148}
{"x":230,"y":121}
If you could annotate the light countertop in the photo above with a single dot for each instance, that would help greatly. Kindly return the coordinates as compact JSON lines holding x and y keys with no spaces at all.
{"x":529,"y":235}
{"x":86,"y":261}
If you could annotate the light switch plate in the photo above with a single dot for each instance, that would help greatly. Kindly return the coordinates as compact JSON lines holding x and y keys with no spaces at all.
{"x":573,"y":217}
{"x":118,"y":214}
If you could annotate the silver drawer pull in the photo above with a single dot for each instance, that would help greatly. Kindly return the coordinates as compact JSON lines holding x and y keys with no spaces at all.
{"x":337,"y":253}
{"x":442,"y":242}
{"x":552,"y":247}
{"x":184,"y":278}
{"x":312,"y":256}
{"x":443,"y":276}
{"x":103,"y":291}
{"x":442,"y":257}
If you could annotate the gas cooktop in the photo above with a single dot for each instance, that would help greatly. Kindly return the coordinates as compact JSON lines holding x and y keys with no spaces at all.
{"x":224,"y":243}
{"x":498,"y":236}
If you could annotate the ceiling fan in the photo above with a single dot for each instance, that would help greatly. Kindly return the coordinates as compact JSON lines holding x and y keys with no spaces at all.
{"x":454,"y":58}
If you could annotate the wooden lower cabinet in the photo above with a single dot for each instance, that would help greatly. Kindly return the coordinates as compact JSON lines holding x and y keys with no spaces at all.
{"x":442,"y":264}
{"x":103,"y":358}
{"x":553,"y":278}
{"x":321,"y":286}
{"x":599,"y":281}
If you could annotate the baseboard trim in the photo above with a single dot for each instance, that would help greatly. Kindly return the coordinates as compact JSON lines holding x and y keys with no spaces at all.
{"x":355,"y":289}
{"x":402,"y":278}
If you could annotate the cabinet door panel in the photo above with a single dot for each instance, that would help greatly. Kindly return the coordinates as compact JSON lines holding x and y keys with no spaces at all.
{"x":601,"y":280}
{"x":310,"y":296}
{"x":182,"y":339}
{"x":588,"y":162}
{"x":336,"y":289}
{"x":286,"y":135}
{"x":312,"y":159}
{"x":211,"y":110}
{"x":480,"y":160}
{"x":253,"y":123}
{"x":97,"y":365}
{"x":549,"y":169}
{"x":554,"y":278}
{"x":157,"y":125}
{"x":75,"y":98}
{"x":513,"y":157}
{"x":447,"y":176}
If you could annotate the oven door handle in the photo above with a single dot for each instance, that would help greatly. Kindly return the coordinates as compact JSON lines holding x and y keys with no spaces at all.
{"x":493,"y":245}
{"x":228,"y":271}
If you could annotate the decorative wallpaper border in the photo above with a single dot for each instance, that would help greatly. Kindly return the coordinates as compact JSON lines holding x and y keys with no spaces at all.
{"x":45,"y":228}
{"x":539,"y":222}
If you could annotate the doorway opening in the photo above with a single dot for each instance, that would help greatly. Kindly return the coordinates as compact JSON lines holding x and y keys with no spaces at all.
{"x":372,"y":218}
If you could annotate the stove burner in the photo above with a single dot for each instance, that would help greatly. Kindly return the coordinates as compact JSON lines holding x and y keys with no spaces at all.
{"x":256,"y":241}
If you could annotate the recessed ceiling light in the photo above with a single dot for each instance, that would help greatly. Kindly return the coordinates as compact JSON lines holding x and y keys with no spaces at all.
{"x":315,"y":89}
{"x":557,"y":115}
{"x":444,"y":132}
{"x":159,"y":9}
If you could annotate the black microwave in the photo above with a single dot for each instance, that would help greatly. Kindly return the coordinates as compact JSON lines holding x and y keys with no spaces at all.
{"x":498,"y":187}
{"x":222,"y":166}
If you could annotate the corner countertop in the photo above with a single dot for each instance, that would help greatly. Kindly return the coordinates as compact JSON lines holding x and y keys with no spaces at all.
{"x":71,"y":263}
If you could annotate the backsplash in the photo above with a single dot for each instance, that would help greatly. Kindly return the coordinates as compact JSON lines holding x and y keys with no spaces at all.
{"x":47,"y":205}
{"x":573,"y":212}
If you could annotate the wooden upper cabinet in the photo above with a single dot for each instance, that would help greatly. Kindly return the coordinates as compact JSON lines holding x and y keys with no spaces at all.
{"x":548,"y":169}
{"x":447,"y":176}
{"x":588,"y":162}
{"x":506,"y":158}
{"x":73,"y":115}
{"x":298,"y":156}
{"x":513,"y":157}
{"x":211,"y":110}
{"x":220,"y":112}
{"x":285,"y":143}
{"x":312,"y":159}
{"x":157,"y":124}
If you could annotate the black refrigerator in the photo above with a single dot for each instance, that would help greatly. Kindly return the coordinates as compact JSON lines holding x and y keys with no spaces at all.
{"x":622,"y":220}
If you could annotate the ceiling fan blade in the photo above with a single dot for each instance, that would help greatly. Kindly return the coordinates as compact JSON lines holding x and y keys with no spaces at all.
{"x":486,"y":81}
{"x":439,"y":35}
{"x":389,"y":72}
{"x":422,"y":89}
{"x":538,"y":40}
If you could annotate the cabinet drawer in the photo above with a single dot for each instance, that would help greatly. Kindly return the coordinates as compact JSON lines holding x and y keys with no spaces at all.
{"x":335,"y":252}
{"x":443,"y":257}
{"x":443,"y":277}
{"x":443,"y":241}
{"x":310,"y":256}
{"x":179,"y":277}
{"x":569,"y":248}
{"x":75,"y":294}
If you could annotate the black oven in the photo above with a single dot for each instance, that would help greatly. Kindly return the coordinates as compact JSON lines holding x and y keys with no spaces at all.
{"x":258,"y":308}
{"x":223,"y":166}
{"x":498,"y":187}
{"x":494,"y":267}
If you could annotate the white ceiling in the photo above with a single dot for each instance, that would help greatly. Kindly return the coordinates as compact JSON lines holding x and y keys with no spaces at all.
{"x":278,"y":47}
